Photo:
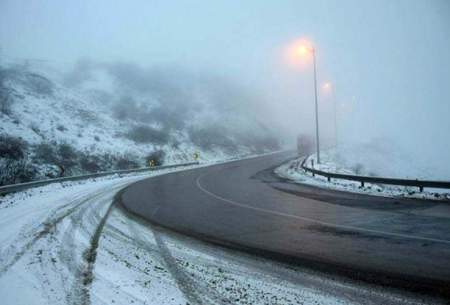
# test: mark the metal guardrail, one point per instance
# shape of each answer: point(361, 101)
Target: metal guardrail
point(6, 189)
point(421, 184)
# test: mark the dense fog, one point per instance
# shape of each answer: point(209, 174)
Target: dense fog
point(387, 63)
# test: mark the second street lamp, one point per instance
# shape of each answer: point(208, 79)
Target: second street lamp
point(328, 87)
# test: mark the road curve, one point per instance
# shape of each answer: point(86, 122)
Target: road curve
point(395, 242)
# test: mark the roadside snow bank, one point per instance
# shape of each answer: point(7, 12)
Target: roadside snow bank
point(293, 171)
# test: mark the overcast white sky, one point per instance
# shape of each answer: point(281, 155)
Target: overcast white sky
point(389, 60)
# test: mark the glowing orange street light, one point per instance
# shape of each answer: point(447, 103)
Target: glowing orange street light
point(304, 49)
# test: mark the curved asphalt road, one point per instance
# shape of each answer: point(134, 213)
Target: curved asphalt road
point(242, 204)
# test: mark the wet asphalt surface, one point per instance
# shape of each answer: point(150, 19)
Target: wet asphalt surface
point(398, 243)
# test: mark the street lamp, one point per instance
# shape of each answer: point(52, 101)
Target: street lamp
point(304, 50)
point(328, 87)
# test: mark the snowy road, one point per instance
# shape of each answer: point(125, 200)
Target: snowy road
point(68, 244)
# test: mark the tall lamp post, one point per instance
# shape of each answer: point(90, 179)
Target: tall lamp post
point(303, 49)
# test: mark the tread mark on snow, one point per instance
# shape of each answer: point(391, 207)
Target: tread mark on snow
point(180, 278)
point(187, 285)
point(89, 256)
point(48, 226)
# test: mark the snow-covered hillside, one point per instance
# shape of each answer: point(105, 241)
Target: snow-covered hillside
point(117, 116)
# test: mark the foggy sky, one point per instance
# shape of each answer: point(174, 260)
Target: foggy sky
point(388, 60)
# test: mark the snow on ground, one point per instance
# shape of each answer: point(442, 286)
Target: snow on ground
point(332, 162)
point(66, 244)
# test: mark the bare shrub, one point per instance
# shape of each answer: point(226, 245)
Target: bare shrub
point(15, 171)
point(14, 167)
point(124, 162)
point(90, 164)
point(61, 128)
point(68, 157)
point(46, 153)
point(12, 147)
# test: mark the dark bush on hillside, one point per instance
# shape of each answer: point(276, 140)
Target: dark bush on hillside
point(157, 157)
point(14, 167)
point(124, 162)
point(146, 134)
point(62, 155)
point(91, 164)
point(78, 162)
point(67, 156)
point(46, 153)
point(15, 171)
point(12, 148)
point(61, 128)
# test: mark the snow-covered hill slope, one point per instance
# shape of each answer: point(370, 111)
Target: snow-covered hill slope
point(118, 116)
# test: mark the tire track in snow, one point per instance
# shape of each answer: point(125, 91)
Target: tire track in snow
point(183, 283)
point(194, 292)
point(48, 227)
point(86, 218)
point(75, 209)
point(62, 248)
point(89, 256)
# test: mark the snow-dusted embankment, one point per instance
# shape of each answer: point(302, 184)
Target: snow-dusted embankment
point(332, 162)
